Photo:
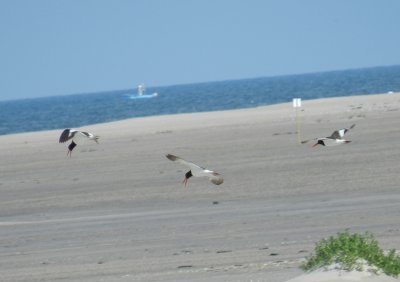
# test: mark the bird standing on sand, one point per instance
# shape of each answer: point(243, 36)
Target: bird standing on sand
point(336, 138)
point(77, 137)
point(197, 171)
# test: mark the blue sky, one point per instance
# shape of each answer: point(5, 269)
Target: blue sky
point(60, 47)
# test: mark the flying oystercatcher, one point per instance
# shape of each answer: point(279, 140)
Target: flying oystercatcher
point(197, 171)
point(77, 137)
point(336, 138)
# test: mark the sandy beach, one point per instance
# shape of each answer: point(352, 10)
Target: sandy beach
point(117, 211)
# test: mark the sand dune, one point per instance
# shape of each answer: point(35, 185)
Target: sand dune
point(117, 211)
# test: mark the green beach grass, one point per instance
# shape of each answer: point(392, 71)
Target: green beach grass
point(353, 252)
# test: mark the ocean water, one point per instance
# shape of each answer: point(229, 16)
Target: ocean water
point(73, 111)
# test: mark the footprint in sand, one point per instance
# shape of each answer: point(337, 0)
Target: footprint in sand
point(164, 132)
point(224, 251)
point(185, 266)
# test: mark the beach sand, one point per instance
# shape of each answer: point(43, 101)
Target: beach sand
point(117, 211)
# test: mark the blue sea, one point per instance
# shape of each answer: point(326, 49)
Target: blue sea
point(73, 111)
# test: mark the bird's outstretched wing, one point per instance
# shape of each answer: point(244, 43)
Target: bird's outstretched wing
point(66, 135)
point(191, 165)
point(89, 135)
point(339, 134)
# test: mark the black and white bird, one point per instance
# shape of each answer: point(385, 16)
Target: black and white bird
point(77, 137)
point(336, 138)
point(197, 171)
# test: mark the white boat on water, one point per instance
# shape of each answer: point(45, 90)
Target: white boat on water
point(141, 93)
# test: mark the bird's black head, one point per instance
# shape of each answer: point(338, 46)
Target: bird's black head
point(319, 142)
point(188, 174)
point(71, 146)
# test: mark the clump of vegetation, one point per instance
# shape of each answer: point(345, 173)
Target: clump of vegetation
point(353, 252)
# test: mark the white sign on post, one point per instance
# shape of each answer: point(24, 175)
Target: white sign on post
point(296, 102)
